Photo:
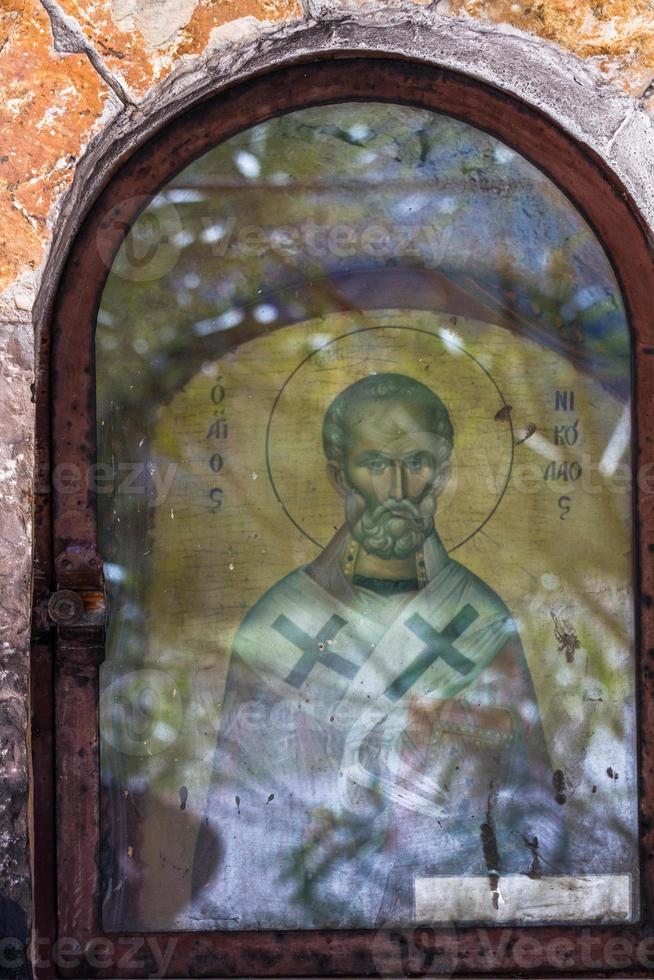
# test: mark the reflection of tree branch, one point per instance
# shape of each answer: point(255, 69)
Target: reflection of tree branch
point(308, 867)
point(583, 360)
point(343, 303)
point(494, 185)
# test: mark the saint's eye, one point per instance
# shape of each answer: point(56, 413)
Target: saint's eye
point(377, 465)
point(416, 462)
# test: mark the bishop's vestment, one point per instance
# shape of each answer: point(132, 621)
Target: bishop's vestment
point(368, 738)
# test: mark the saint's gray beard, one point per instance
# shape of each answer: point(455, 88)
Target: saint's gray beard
point(386, 535)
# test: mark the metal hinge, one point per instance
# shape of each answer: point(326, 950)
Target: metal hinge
point(82, 609)
point(80, 602)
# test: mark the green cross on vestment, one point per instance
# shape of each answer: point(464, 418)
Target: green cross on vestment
point(315, 649)
point(437, 646)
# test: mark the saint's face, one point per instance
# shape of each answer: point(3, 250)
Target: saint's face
point(390, 456)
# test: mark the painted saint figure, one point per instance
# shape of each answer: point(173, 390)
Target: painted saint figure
point(379, 722)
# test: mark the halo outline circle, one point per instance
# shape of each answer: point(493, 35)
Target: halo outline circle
point(352, 333)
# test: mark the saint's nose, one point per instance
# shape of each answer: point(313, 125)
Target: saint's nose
point(398, 478)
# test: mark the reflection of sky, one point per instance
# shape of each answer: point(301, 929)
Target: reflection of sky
point(445, 196)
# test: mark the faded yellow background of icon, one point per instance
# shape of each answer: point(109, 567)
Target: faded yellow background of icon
point(565, 574)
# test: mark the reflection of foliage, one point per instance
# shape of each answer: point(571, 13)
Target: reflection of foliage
point(447, 198)
point(331, 843)
point(503, 223)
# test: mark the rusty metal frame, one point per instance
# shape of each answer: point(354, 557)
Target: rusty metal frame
point(65, 661)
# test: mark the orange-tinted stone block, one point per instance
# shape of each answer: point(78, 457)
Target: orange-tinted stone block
point(50, 106)
point(617, 35)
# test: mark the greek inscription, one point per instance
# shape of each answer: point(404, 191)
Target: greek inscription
point(566, 435)
point(217, 394)
point(216, 497)
point(564, 506)
point(567, 472)
point(217, 430)
point(564, 401)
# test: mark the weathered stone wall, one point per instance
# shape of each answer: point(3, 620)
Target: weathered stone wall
point(82, 80)
point(68, 66)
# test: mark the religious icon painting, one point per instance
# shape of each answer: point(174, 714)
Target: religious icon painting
point(370, 658)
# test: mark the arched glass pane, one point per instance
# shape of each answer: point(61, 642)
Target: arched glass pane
point(363, 380)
